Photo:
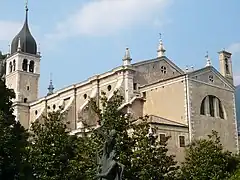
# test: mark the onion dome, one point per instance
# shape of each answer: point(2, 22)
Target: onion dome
point(24, 41)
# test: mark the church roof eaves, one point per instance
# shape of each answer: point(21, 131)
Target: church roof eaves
point(162, 80)
point(215, 71)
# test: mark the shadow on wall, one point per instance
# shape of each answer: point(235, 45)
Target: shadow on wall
point(237, 93)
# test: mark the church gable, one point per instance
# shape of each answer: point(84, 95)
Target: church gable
point(154, 70)
point(211, 76)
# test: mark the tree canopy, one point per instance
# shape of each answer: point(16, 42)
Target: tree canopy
point(13, 140)
point(141, 153)
point(206, 159)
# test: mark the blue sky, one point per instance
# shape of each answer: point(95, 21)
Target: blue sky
point(87, 37)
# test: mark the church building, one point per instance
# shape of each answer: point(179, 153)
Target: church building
point(184, 104)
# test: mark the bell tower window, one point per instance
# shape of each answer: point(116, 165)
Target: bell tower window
point(14, 65)
point(227, 66)
point(25, 65)
point(31, 66)
point(10, 67)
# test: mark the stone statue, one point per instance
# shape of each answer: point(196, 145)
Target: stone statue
point(109, 168)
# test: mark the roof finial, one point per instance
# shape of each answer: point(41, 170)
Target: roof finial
point(208, 60)
point(127, 57)
point(9, 50)
point(50, 87)
point(26, 5)
point(161, 50)
point(39, 50)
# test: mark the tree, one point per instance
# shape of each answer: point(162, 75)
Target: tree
point(236, 175)
point(129, 147)
point(110, 117)
point(206, 159)
point(149, 159)
point(53, 148)
point(13, 140)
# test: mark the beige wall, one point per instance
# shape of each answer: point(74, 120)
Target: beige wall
point(167, 101)
point(22, 114)
point(136, 109)
point(173, 143)
point(30, 80)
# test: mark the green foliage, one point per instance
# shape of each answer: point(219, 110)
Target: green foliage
point(149, 158)
point(13, 140)
point(236, 175)
point(206, 159)
point(53, 149)
point(142, 156)
point(6, 96)
point(110, 118)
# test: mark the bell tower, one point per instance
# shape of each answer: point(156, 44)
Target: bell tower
point(23, 71)
point(226, 65)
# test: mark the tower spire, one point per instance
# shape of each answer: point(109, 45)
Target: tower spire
point(50, 87)
point(26, 9)
point(161, 50)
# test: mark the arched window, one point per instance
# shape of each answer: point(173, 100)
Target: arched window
point(10, 67)
point(14, 65)
point(24, 65)
point(212, 106)
point(227, 66)
point(31, 66)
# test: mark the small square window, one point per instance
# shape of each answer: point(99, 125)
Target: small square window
point(162, 139)
point(182, 141)
point(134, 86)
point(28, 88)
point(25, 100)
point(144, 95)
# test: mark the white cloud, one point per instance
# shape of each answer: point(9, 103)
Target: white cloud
point(234, 48)
point(101, 17)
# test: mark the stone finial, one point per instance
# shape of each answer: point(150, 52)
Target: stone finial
point(208, 60)
point(186, 69)
point(192, 68)
point(9, 50)
point(50, 87)
point(127, 58)
point(161, 50)
point(19, 45)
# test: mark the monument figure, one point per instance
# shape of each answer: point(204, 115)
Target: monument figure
point(109, 168)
